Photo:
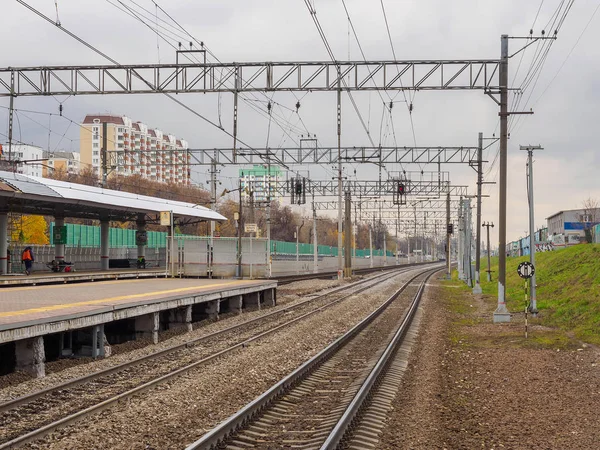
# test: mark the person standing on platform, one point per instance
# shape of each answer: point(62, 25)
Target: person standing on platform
point(27, 258)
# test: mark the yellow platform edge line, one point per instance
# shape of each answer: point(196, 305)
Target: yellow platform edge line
point(105, 300)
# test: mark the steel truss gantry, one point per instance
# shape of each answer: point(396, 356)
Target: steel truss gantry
point(329, 155)
point(405, 214)
point(366, 188)
point(266, 76)
point(374, 204)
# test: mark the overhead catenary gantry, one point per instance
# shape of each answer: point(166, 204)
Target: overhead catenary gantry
point(377, 204)
point(329, 155)
point(368, 188)
point(250, 77)
point(237, 78)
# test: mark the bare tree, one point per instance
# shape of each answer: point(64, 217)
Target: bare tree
point(591, 215)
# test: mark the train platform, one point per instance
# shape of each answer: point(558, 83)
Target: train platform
point(40, 278)
point(77, 318)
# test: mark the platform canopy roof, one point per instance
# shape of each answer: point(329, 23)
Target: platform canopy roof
point(33, 195)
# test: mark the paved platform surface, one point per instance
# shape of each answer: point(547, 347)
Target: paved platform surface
point(28, 305)
point(38, 278)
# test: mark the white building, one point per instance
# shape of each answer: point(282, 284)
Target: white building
point(257, 181)
point(27, 158)
point(134, 148)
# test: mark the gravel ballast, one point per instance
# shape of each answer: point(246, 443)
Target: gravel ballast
point(180, 411)
point(475, 384)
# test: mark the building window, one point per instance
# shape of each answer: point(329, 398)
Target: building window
point(96, 145)
point(94, 153)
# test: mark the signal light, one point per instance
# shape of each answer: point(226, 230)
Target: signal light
point(400, 189)
point(298, 187)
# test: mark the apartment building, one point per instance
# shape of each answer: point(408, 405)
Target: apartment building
point(28, 159)
point(65, 162)
point(257, 180)
point(134, 148)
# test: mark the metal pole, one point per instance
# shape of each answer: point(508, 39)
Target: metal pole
point(340, 200)
point(297, 254)
point(448, 272)
point(348, 239)
point(477, 288)
point(213, 206)
point(240, 224)
point(469, 241)
point(371, 246)
point(315, 243)
point(501, 314)
point(235, 113)
point(532, 295)
point(269, 262)
point(104, 153)
point(10, 119)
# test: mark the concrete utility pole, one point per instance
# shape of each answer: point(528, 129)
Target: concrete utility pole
point(460, 260)
point(489, 251)
point(477, 288)
point(104, 154)
point(501, 314)
point(448, 273)
point(348, 238)
point(532, 294)
point(340, 203)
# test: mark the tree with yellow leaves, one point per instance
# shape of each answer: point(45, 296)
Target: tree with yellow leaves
point(29, 229)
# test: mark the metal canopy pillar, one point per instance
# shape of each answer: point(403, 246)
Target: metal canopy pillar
point(3, 242)
point(104, 243)
point(141, 230)
point(59, 249)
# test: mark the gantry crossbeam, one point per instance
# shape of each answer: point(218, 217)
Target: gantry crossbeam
point(329, 155)
point(250, 77)
point(388, 204)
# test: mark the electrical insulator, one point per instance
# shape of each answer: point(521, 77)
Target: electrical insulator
point(60, 108)
point(298, 106)
point(450, 228)
point(269, 107)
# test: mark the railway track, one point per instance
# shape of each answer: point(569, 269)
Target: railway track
point(319, 404)
point(286, 279)
point(31, 417)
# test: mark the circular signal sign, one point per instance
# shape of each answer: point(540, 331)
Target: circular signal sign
point(526, 270)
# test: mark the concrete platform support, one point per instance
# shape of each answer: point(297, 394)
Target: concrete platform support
point(212, 309)
point(235, 304)
point(147, 326)
point(31, 357)
point(252, 300)
point(59, 249)
point(104, 244)
point(3, 242)
point(180, 317)
point(269, 297)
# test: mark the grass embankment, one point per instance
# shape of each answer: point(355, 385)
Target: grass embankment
point(568, 289)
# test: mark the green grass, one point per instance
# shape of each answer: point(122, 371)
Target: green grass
point(568, 289)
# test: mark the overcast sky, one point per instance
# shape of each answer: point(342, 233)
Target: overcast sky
point(566, 102)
